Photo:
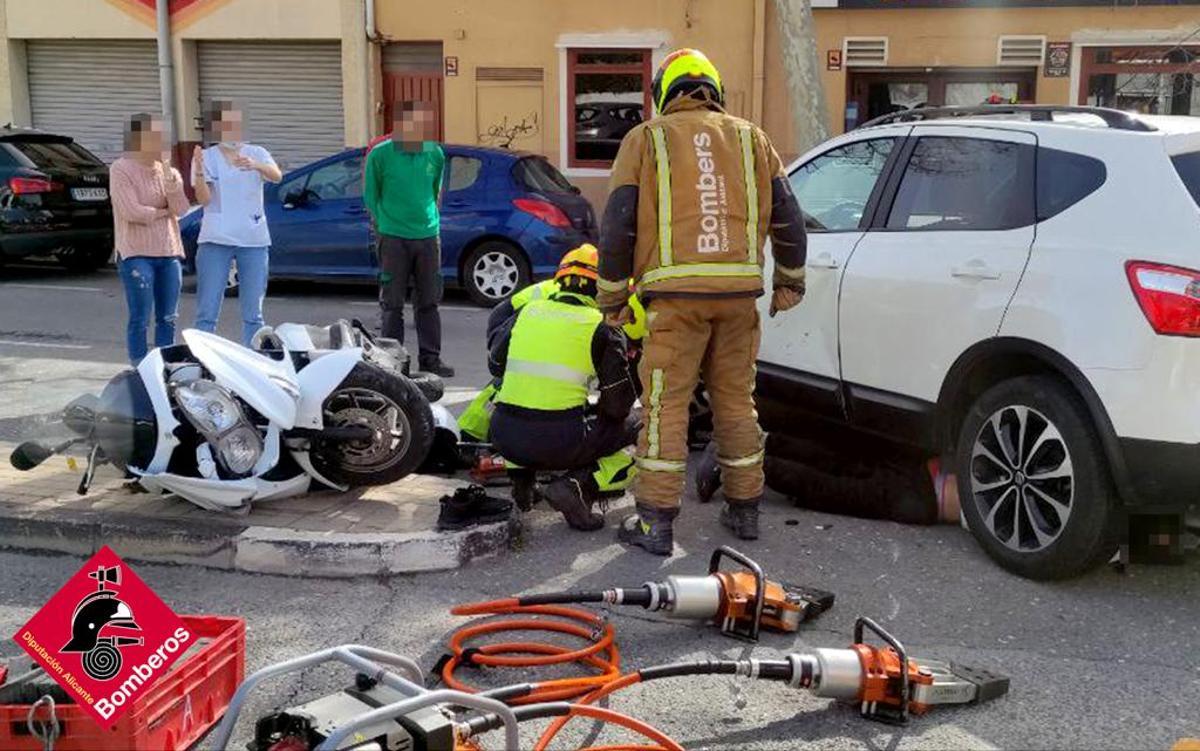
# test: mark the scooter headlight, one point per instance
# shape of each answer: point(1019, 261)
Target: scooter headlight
point(209, 407)
point(220, 419)
point(240, 449)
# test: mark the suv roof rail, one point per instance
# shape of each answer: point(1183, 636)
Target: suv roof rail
point(1115, 119)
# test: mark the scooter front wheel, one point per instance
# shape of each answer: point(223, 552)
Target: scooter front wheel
point(399, 417)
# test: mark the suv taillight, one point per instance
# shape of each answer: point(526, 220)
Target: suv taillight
point(543, 210)
point(27, 185)
point(1169, 296)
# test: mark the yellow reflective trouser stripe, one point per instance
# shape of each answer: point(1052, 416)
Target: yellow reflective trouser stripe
point(751, 193)
point(663, 165)
point(656, 387)
point(796, 273)
point(661, 465)
point(742, 461)
point(550, 370)
point(605, 285)
point(701, 269)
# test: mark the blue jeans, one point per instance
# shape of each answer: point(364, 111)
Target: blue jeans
point(212, 276)
point(151, 283)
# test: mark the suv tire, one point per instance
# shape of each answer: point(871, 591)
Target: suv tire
point(1050, 513)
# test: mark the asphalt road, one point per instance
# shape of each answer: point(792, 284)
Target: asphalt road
point(1106, 661)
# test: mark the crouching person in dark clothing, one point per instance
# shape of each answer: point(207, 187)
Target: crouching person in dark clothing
point(556, 348)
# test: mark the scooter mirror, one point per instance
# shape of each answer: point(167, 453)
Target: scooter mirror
point(29, 455)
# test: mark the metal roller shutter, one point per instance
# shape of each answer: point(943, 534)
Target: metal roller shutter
point(88, 89)
point(290, 93)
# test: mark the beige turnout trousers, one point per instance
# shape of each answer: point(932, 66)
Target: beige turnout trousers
point(716, 339)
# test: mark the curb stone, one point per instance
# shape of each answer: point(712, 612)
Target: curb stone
point(232, 545)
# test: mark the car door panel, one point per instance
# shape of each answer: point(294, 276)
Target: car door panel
point(938, 271)
point(323, 228)
point(836, 190)
point(464, 207)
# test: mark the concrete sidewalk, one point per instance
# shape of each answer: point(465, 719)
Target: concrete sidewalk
point(367, 532)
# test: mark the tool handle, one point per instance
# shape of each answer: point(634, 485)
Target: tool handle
point(863, 622)
point(760, 583)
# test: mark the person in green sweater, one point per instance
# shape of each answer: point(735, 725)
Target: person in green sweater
point(403, 185)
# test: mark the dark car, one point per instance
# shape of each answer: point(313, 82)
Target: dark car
point(53, 200)
point(600, 126)
point(507, 218)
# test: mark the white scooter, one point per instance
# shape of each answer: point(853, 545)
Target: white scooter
point(223, 425)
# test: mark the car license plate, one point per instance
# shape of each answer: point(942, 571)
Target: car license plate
point(89, 194)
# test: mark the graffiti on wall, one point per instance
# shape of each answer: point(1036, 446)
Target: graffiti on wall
point(506, 132)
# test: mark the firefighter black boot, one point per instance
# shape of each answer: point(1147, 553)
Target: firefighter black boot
point(524, 488)
point(741, 517)
point(649, 528)
point(572, 496)
point(708, 474)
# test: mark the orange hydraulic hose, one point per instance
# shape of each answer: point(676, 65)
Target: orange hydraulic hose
point(625, 721)
point(601, 655)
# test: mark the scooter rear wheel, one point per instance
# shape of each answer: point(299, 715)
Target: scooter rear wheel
point(400, 416)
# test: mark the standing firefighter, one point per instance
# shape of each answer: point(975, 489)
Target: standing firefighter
point(694, 194)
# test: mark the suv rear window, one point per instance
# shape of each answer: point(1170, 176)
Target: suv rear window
point(1188, 167)
point(55, 154)
point(541, 176)
point(1064, 179)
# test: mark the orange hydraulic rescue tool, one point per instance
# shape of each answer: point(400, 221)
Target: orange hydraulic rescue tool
point(885, 682)
point(739, 602)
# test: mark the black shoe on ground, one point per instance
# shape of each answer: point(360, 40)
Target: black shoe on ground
point(741, 518)
point(650, 528)
point(469, 506)
point(572, 498)
point(708, 474)
point(437, 367)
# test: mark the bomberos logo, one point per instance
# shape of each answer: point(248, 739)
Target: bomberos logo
point(105, 637)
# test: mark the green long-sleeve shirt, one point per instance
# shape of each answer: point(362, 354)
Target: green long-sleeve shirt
point(402, 187)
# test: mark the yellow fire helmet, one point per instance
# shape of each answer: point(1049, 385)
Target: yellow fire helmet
point(636, 329)
point(680, 68)
point(584, 261)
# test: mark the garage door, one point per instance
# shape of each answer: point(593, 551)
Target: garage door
point(88, 89)
point(290, 92)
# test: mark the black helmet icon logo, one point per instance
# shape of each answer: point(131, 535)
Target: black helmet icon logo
point(94, 614)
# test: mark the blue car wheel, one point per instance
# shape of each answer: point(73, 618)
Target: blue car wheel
point(493, 271)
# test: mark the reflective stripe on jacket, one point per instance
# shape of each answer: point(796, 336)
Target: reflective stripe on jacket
point(549, 362)
point(704, 200)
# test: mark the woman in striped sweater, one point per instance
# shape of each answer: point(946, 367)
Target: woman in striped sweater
point(148, 199)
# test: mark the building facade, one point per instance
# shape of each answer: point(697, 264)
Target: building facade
point(567, 78)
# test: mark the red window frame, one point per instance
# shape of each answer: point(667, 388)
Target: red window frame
point(574, 67)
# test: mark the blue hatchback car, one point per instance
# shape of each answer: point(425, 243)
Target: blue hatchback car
point(507, 219)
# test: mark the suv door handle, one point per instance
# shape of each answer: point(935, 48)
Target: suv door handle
point(824, 261)
point(974, 270)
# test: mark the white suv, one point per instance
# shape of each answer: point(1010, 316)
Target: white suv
point(1016, 290)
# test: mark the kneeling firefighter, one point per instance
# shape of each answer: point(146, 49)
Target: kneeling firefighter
point(475, 421)
point(694, 194)
point(542, 420)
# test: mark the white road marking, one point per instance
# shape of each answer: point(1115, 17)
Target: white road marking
point(60, 287)
point(44, 345)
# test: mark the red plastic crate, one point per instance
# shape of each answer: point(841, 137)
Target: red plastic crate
point(171, 715)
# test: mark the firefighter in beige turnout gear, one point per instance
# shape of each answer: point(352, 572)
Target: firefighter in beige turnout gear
point(694, 194)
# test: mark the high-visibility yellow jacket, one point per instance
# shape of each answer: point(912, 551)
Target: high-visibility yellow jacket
point(706, 186)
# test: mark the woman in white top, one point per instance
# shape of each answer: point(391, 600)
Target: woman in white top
point(228, 179)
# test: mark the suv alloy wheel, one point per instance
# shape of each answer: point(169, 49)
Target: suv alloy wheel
point(1034, 481)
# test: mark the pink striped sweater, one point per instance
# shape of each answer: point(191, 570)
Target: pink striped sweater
point(147, 205)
